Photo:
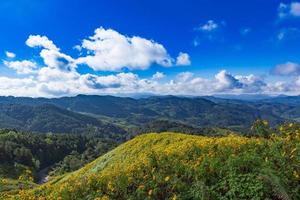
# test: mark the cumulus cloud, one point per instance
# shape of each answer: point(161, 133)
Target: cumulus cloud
point(225, 81)
point(183, 59)
point(57, 83)
point(289, 10)
point(58, 74)
point(18, 87)
point(286, 69)
point(50, 54)
point(41, 41)
point(108, 50)
point(22, 67)
point(10, 54)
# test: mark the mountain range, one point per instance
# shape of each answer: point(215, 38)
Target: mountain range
point(110, 114)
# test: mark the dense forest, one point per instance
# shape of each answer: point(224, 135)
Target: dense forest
point(61, 153)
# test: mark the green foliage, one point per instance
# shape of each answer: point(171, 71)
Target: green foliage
point(261, 128)
point(159, 126)
point(20, 151)
point(177, 166)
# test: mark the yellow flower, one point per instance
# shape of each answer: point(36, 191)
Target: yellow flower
point(295, 174)
point(266, 123)
point(266, 159)
point(150, 192)
point(293, 150)
point(167, 178)
point(141, 187)
point(174, 197)
point(110, 186)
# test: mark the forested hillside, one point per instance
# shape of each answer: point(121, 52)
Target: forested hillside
point(23, 155)
point(178, 166)
point(49, 118)
point(134, 113)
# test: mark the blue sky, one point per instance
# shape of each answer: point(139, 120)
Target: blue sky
point(258, 38)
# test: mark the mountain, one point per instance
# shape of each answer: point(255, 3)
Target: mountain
point(291, 100)
point(193, 111)
point(247, 97)
point(178, 166)
point(50, 118)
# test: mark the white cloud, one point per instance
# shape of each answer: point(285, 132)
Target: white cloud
point(183, 59)
point(252, 83)
point(289, 10)
point(282, 87)
point(50, 54)
point(286, 69)
point(298, 81)
point(158, 76)
point(18, 87)
point(210, 31)
point(295, 9)
point(225, 81)
point(184, 76)
point(209, 26)
point(10, 54)
point(51, 82)
point(108, 50)
point(283, 10)
point(58, 75)
point(22, 67)
point(41, 41)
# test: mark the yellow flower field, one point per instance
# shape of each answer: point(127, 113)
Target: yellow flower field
point(179, 166)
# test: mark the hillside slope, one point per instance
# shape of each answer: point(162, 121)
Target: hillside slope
point(177, 166)
point(49, 118)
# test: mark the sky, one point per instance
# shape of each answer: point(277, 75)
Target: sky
point(55, 48)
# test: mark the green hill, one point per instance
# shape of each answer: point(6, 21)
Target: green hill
point(49, 118)
point(178, 166)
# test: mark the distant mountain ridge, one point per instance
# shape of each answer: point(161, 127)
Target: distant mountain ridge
point(129, 112)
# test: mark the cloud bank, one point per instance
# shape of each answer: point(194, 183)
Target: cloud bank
point(110, 51)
